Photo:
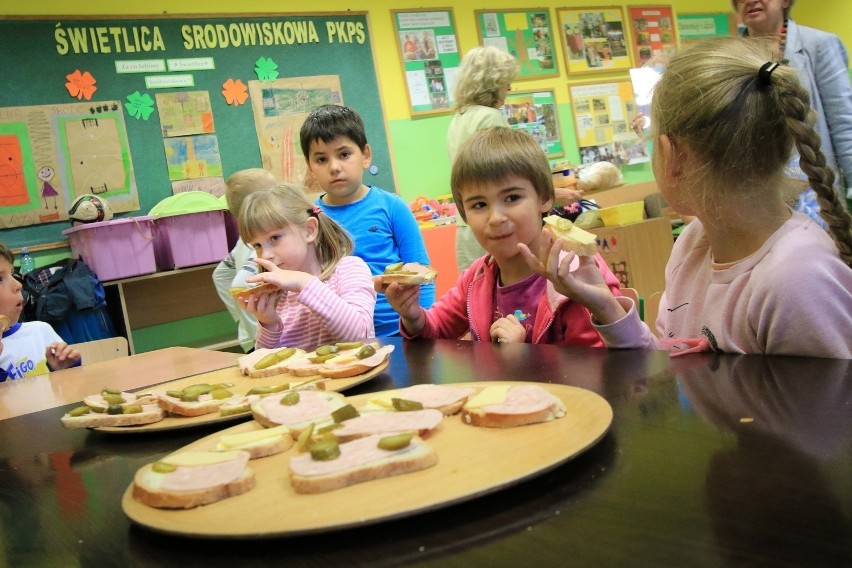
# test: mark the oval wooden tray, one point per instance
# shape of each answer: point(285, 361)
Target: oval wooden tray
point(242, 384)
point(472, 462)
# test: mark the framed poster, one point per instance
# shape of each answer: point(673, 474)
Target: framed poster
point(526, 34)
point(653, 31)
point(429, 50)
point(593, 39)
point(602, 115)
point(693, 27)
point(535, 113)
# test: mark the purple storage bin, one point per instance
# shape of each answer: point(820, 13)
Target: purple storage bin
point(190, 239)
point(120, 248)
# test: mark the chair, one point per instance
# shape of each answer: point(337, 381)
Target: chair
point(102, 349)
point(652, 308)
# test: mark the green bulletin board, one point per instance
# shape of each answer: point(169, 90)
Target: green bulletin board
point(699, 26)
point(133, 60)
point(429, 51)
point(535, 112)
point(526, 34)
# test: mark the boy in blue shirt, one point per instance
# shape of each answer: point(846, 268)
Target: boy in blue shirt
point(384, 229)
point(31, 348)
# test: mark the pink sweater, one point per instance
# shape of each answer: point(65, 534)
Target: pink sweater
point(337, 309)
point(469, 306)
point(793, 296)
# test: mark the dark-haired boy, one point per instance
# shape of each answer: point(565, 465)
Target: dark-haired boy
point(334, 142)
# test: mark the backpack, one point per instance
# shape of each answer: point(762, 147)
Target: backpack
point(69, 297)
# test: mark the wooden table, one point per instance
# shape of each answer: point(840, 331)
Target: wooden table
point(710, 461)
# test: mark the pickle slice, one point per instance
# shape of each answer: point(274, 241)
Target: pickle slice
point(326, 350)
point(108, 390)
point(79, 411)
point(111, 398)
point(329, 428)
point(366, 351)
point(290, 398)
point(349, 344)
point(395, 267)
point(322, 358)
point(115, 409)
point(404, 405)
point(132, 409)
point(344, 413)
point(395, 442)
point(268, 390)
point(174, 393)
point(275, 358)
point(325, 450)
point(163, 467)
point(304, 438)
point(564, 225)
point(221, 394)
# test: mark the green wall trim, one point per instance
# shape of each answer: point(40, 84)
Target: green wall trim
point(191, 332)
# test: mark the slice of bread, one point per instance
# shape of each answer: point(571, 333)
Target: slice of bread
point(504, 406)
point(574, 239)
point(313, 407)
point(359, 461)
point(150, 413)
point(205, 404)
point(410, 273)
point(248, 363)
point(197, 478)
point(258, 443)
point(244, 292)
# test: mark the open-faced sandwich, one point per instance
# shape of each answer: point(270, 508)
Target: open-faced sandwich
point(421, 421)
point(267, 362)
point(574, 238)
point(448, 399)
point(341, 360)
point(112, 407)
point(298, 409)
point(189, 479)
point(409, 273)
point(330, 465)
point(243, 292)
point(242, 404)
point(197, 399)
point(258, 443)
point(505, 406)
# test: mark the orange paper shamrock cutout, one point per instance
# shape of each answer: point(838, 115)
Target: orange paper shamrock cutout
point(81, 84)
point(235, 92)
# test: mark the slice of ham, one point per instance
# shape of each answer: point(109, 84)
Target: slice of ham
point(435, 396)
point(390, 423)
point(193, 478)
point(523, 400)
point(312, 405)
point(352, 454)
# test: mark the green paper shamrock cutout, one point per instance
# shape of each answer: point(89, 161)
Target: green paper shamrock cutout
point(266, 69)
point(139, 105)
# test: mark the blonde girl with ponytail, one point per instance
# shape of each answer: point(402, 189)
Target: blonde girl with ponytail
point(322, 294)
point(749, 275)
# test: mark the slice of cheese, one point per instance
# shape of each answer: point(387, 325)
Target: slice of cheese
point(489, 395)
point(199, 458)
point(250, 438)
point(565, 229)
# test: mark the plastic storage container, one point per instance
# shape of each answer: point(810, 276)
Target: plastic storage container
point(623, 214)
point(232, 229)
point(115, 249)
point(190, 230)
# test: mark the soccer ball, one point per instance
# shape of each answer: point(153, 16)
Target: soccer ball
point(89, 208)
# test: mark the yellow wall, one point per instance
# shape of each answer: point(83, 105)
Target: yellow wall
point(416, 145)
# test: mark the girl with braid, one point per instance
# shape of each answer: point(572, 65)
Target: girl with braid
point(749, 275)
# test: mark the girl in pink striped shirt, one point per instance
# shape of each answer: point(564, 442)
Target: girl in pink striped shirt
point(324, 294)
